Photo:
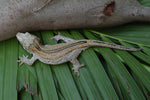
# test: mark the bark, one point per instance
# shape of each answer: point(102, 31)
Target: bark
point(32, 15)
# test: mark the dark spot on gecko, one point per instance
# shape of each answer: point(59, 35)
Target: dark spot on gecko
point(109, 9)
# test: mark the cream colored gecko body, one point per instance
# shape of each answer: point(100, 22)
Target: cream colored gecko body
point(60, 53)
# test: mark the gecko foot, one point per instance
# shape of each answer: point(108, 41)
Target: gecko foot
point(61, 37)
point(76, 69)
point(57, 37)
point(23, 59)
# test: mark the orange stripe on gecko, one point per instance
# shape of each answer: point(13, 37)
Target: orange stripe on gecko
point(52, 46)
point(57, 56)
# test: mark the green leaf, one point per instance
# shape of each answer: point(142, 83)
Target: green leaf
point(128, 86)
point(108, 74)
point(8, 69)
point(26, 77)
point(132, 32)
point(25, 96)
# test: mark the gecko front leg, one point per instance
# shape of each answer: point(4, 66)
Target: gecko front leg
point(60, 37)
point(25, 59)
point(76, 66)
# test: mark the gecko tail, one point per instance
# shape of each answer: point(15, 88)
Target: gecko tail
point(111, 45)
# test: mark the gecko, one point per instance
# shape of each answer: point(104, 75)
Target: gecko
point(60, 53)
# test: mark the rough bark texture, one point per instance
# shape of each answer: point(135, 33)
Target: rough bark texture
point(21, 15)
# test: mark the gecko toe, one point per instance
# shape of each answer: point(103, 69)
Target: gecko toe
point(54, 38)
point(77, 73)
point(23, 56)
point(76, 69)
point(82, 65)
point(57, 37)
point(20, 63)
point(18, 60)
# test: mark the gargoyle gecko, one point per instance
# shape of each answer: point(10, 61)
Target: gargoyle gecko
point(60, 53)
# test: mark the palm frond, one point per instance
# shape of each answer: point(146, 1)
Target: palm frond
point(108, 74)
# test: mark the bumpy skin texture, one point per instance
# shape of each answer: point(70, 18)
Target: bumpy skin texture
point(32, 15)
point(60, 53)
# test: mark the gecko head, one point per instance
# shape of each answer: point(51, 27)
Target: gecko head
point(27, 40)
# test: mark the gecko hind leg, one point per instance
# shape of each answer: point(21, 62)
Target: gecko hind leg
point(76, 66)
point(61, 37)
